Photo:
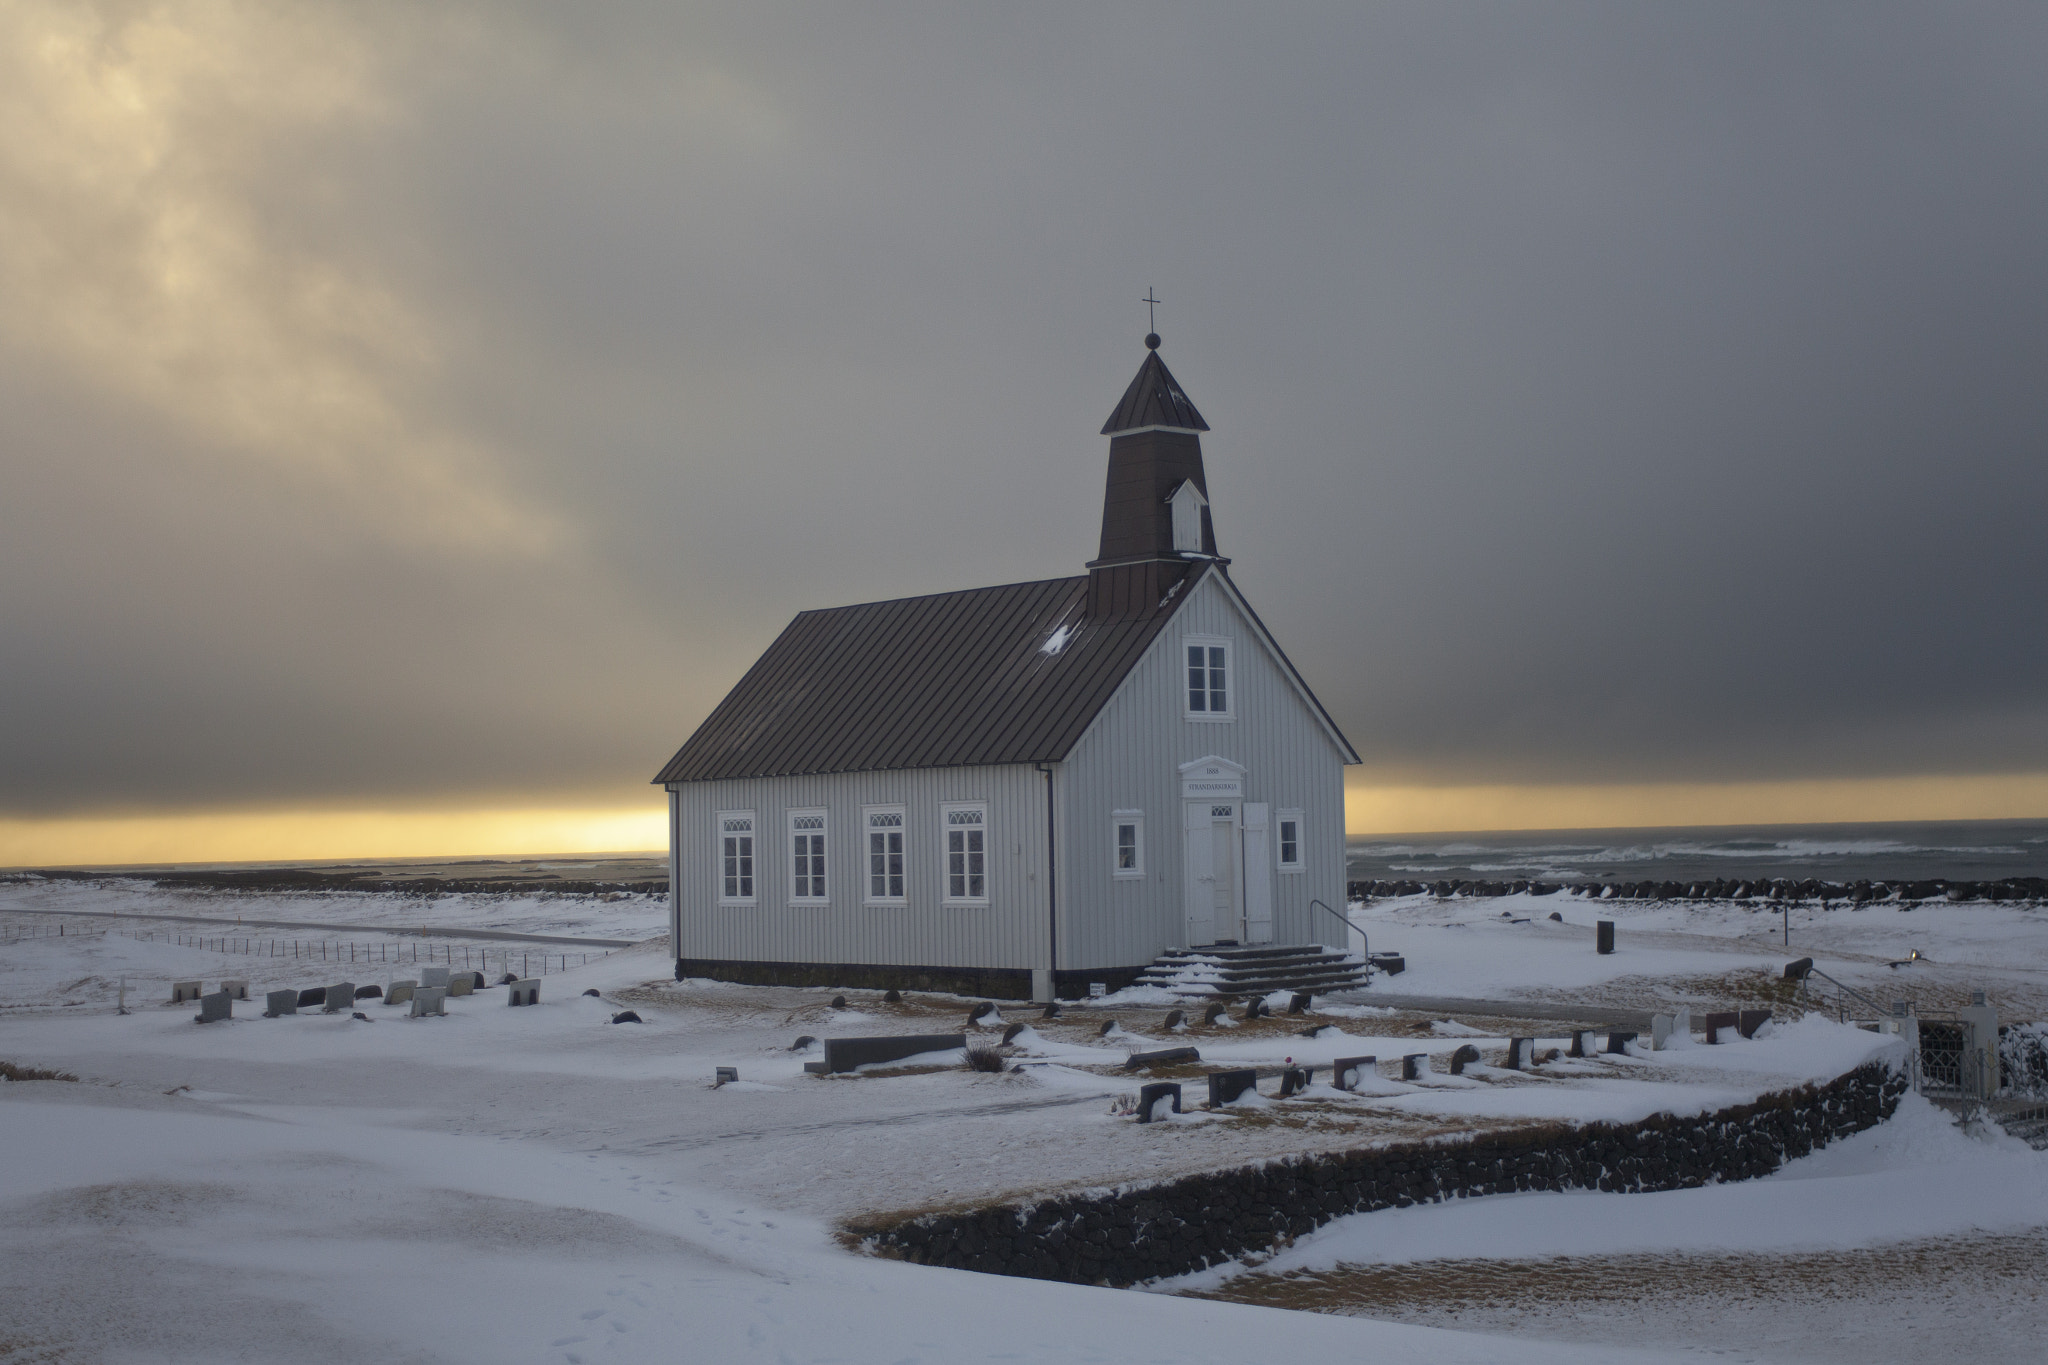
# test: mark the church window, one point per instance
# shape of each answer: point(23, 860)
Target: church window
point(736, 856)
point(966, 836)
point(807, 847)
point(885, 854)
point(1208, 680)
point(1289, 840)
point(1128, 829)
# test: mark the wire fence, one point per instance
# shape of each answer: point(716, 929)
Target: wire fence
point(388, 951)
point(15, 932)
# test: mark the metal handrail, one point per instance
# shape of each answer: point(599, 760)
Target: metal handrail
point(1345, 921)
point(1881, 1011)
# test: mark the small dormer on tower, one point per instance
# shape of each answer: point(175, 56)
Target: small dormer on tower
point(1156, 523)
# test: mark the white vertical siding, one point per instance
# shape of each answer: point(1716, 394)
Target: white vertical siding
point(1130, 760)
point(1011, 931)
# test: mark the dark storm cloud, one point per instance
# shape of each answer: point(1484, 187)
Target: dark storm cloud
point(1600, 393)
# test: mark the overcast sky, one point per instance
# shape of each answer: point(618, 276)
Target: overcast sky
point(449, 405)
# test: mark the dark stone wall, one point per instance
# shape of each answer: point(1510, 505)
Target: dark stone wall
point(1128, 1235)
point(1902, 894)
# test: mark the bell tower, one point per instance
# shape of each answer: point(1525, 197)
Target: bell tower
point(1155, 509)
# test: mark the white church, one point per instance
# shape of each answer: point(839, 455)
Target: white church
point(1020, 791)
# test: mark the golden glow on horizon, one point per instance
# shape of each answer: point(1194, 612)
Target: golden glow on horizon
point(326, 836)
point(1370, 809)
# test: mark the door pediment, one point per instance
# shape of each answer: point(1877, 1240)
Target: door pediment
point(1211, 777)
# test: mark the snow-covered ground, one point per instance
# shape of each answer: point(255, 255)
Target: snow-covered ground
point(542, 1184)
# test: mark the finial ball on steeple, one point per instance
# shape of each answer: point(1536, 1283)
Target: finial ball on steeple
point(1151, 341)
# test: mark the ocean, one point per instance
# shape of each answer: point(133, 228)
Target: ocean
point(1956, 849)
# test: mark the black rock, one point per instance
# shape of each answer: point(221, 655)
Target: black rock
point(626, 1017)
point(591, 991)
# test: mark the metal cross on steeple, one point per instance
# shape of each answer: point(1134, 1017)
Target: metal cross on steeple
point(1151, 322)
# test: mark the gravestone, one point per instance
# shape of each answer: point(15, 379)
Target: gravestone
point(1313, 1029)
point(433, 976)
point(1254, 1008)
point(369, 992)
point(981, 1012)
point(1466, 1053)
point(220, 1005)
point(1294, 1080)
point(626, 1017)
point(845, 1054)
point(803, 1041)
point(892, 996)
point(1413, 1065)
point(1747, 1022)
point(1796, 971)
point(1165, 1056)
point(182, 991)
point(1215, 1012)
point(525, 991)
point(1720, 1023)
point(1175, 1019)
point(838, 1002)
point(1227, 1087)
point(725, 1075)
point(1152, 1097)
point(340, 999)
point(280, 1002)
point(461, 984)
point(1518, 1053)
point(1393, 964)
point(1010, 1033)
point(593, 992)
point(1604, 932)
point(1578, 1047)
point(429, 1000)
point(1052, 1010)
point(1109, 1026)
point(476, 980)
point(1619, 1039)
point(1660, 1032)
point(1299, 1002)
point(1347, 1072)
point(400, 992)
point(237, 990)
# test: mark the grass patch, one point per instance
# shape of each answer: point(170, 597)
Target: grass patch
point(12, 1072)
point(981, 1058)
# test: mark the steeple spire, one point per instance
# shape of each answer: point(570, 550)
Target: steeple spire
point(1155, 509)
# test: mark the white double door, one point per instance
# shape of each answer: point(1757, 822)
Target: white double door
point(1227, 881)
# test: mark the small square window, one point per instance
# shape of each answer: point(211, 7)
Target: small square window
point(1127, 844)
point(965, 836)
point(1287, 825)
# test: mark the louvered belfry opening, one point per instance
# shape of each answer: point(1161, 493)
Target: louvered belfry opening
point(1155, 446)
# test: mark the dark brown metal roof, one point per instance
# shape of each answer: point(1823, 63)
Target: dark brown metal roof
point(1154, 399)
point(950, 680)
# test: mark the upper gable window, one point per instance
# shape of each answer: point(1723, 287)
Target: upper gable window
point(1207, 679)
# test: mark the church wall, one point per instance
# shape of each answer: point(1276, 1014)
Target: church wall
point(1129, 759)
point(1011, 932)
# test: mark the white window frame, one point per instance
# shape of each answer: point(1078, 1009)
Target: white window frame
point(946, 830)
point(823, 832)
point(1117, 820)
point(753, 855)
point(1281, 820)
point(1182, 680)
point(868, 831)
